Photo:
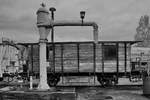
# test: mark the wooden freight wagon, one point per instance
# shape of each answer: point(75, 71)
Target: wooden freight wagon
point(107, 60)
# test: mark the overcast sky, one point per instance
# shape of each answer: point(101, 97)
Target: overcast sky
point(117, 19)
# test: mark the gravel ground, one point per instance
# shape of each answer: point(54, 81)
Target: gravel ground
point(97, 93)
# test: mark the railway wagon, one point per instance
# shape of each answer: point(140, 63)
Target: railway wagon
point(107, 60)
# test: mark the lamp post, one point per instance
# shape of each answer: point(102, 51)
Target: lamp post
point(82, 15)
point(52, 10)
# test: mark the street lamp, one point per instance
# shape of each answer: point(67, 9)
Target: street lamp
point(52, 10)
point(82, 15)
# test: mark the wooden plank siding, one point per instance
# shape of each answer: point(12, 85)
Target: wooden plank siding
point(79, 57)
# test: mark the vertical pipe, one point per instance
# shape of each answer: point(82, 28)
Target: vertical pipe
point(52, 38)
point(62, 66)
point(53, 56)
point(102, 57)
point(52, 18)
point(78, 57)
point(52, 34)
point(1, 59)
point(117, 62)
point(47, 52)
point(125, 58)
point(31, 82)
point(95, 33)
point(94, 59)
point(43, 67)
point(76, 23)
point(32, 58)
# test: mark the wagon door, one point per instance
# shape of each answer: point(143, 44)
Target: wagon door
point(110, 57)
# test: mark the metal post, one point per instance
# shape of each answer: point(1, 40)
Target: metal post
point(125, 57)
point(31, 82)
point(52, 9)
point(43, 67)
point(62, 65)
point(32, 58)
point(78, 57)
point(102, 57)
point(94, 60)
point(117, 61)
point(141, 58)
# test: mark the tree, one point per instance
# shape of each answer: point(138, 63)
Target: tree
point(143, 32)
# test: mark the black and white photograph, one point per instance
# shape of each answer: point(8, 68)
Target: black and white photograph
point(74, 49)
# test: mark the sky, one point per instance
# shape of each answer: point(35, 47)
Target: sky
point(117, 19)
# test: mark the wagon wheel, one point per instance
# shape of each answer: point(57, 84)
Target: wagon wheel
point(52, 82)
point(105, 81)
point(102, 81)
point(53, 79)
point(1, 79)
point(8, 79)
point(115, 80)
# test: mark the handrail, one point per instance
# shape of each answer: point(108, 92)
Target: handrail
point(72, 23)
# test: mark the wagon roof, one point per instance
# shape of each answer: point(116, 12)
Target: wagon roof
point(74, 42)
